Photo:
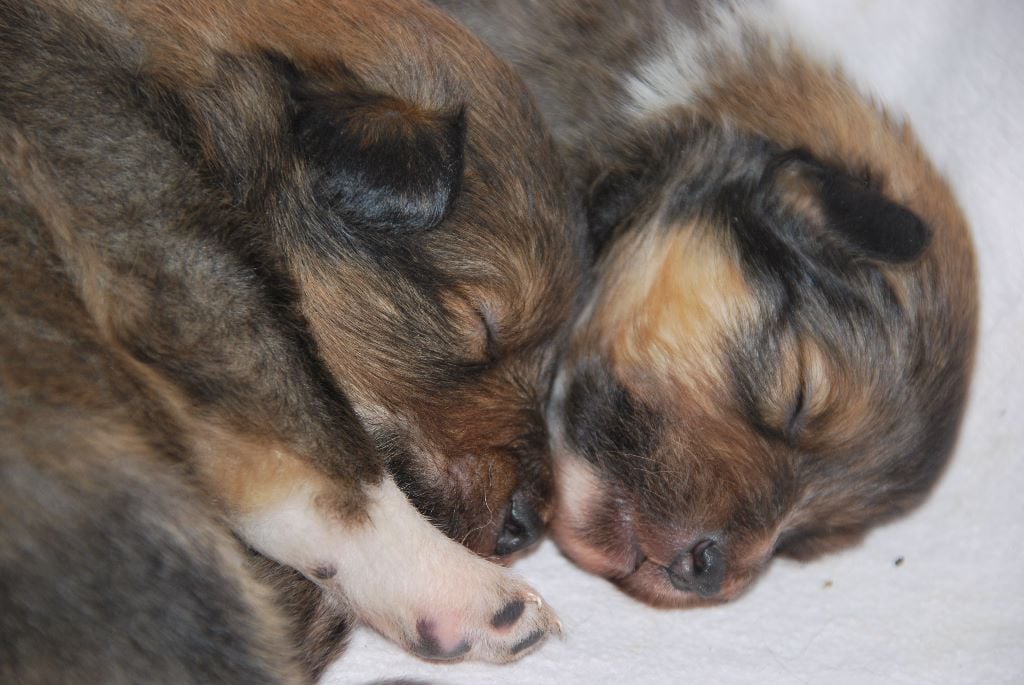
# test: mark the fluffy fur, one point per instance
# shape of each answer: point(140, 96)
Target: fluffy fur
point(776, 355)
point(250, 267)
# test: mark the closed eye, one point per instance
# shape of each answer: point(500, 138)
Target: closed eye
point(548, 377)
point(491, 349)
point(798, 414)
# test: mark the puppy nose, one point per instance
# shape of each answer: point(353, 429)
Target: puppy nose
point(700, 569)
point(523, 527)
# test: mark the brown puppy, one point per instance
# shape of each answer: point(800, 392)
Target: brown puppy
point(778, 349)
point(231, 237)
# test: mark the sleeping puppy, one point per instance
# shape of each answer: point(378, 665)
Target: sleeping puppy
point(231, 238)
point(777, 352)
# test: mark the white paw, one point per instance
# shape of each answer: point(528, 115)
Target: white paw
point(499, 622)
point(406, 579)
point(436, 598)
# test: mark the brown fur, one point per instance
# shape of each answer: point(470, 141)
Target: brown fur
point(777, 353)
point(198, 320)
point(482, 431)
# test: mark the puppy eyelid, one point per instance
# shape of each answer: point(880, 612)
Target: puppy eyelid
point(490, 331)
point(549, 375)
point(797, 417)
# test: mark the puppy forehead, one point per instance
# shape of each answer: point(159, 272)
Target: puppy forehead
point(680, 310)
point(671, 295)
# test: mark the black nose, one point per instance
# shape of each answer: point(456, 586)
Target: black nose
point(522, 527)
point(700, 569)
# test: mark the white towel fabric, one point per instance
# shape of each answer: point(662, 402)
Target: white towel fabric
point(953, 610)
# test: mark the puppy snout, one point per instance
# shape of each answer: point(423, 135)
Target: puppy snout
point(700, 569)
point(522, 527)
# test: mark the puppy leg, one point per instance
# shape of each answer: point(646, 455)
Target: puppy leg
point(401, 575)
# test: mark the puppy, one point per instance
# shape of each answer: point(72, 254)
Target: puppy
point(255, 260)
point(777, 351)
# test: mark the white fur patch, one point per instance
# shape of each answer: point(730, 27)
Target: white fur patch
point(688, 55)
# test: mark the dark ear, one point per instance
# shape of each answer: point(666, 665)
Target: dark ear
point(610, 200)
point(859, 215)
point(380, 163)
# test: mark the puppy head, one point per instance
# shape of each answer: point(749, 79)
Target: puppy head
point(420, 216)
point(437, 274)
point(774, 360)
point(461, 270)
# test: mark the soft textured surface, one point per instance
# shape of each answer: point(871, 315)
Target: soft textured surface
point(953, 610)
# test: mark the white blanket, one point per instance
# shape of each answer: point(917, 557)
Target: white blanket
point(952, 611)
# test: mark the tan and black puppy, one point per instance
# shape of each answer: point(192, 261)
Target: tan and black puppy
point(231, 237)
point(777, 352)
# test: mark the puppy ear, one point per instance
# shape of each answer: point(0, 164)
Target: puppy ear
point(380, 163)
point(611, 198)
point(856, 214)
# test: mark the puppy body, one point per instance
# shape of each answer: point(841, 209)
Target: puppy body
point(234, 237)
point(777, 353)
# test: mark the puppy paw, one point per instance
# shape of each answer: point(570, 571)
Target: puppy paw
point(433, 596)
point(402, 576)
point(505, 622)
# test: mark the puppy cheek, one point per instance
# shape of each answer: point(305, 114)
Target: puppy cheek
point(576, 485)
point(578, 492)
point(577, 489)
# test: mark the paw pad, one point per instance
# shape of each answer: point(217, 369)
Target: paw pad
point(429, 646)
point(509, 614)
